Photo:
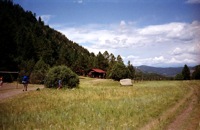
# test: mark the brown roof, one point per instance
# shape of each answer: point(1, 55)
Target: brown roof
point(98, 70)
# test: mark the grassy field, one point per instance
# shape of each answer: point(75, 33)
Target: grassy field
point(96, 104)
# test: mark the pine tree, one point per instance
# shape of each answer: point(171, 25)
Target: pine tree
point(131, 69)
point(119, 71)
point(101, 61)
point(119, 59)
point(39, 72)
point(186, 73)
point(196, 73)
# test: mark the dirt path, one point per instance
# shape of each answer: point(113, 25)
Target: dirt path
point(189, 118)
point(11, 89)
point(181, 121)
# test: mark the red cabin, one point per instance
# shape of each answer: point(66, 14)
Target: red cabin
point(97, 73)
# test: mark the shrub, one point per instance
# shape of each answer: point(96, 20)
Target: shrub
point(68, 77)
point(179, 77)
point(119, 71)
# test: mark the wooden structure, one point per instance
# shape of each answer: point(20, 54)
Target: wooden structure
point(97, 73)
point(9, 77)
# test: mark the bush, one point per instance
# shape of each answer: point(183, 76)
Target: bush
point(68, 77)
point(119, 71)
point(179, 77)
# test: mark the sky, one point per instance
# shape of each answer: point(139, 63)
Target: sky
point(159, 33)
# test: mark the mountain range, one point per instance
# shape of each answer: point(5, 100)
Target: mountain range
point(169, 71)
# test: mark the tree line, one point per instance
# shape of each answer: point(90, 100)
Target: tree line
point(188, 74)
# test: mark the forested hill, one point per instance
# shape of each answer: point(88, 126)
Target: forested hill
point(168, 71)
point(171, 71)
point(26, 40)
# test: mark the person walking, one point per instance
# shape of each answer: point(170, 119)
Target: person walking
point(25, 82)
point(59, 84)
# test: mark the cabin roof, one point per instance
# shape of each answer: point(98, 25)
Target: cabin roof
point(98, 70)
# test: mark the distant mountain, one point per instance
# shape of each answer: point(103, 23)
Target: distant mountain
point(170, 71)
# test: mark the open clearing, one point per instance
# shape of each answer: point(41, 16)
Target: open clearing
point(103, 104)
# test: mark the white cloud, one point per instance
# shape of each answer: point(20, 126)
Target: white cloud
point(152, 61)
point(46, 18)
point(193, 1)
point(122, 23)
point(177, 51)
point(163, 61)
point(132, 57)
point(78, 1)
point(166, 44)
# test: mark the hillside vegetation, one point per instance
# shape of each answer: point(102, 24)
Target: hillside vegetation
point(31, 47)
point(25, 40)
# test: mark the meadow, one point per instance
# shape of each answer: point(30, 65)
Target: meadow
point(96, 104)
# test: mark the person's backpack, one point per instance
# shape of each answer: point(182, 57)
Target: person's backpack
point(25, 79)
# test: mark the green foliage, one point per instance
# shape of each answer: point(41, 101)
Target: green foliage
point(119, 59)
point(26, 67)
point(186, 73)
point(132, 70)
point(196, 73)
point(119, 71)
point(39, 72)
point(24, 38)
point(102, 61)
point(179, 77)
point(111, 62)
point(68, 77)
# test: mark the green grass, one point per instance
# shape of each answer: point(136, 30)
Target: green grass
point(96, 104)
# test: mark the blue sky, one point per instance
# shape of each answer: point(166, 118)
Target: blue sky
point(158, 33)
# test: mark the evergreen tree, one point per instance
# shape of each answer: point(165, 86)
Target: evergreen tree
point(131, 69)
point(102, 62)
point(119, 71)
point(196, 73)
point(106, 55)
point(39, 72)
point(186, 73)
point(119, 59)
point(111, 62)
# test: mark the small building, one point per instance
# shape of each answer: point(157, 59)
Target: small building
point(97, 73)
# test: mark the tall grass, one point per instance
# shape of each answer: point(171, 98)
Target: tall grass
point(96, 104)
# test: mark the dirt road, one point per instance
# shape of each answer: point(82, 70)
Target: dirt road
point(188, 117)
point(11, 89)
